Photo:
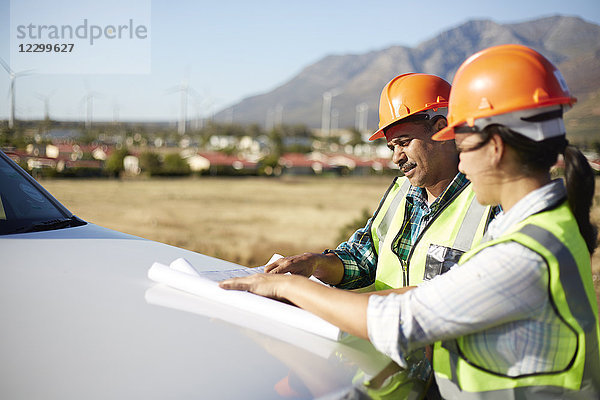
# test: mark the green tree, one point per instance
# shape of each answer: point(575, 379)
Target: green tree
point(150, 163)
point(5, 135)
point(276, 141)
point(114, 163)
point(14, 137)
point(268, 164)
point(254, 130)
point(175, 165)
point(299, 130)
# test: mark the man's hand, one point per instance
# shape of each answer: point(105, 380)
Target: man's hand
point(301, 264)
point(327, 267)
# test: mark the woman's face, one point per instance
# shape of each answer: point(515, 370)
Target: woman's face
point(476, 162)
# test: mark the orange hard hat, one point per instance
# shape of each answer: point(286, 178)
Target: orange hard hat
point(409, 94)
point(503, 79)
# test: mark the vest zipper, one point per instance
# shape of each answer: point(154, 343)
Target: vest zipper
point(405, 280)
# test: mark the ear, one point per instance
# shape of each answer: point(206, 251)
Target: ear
point(440, 124)
point(496, 150)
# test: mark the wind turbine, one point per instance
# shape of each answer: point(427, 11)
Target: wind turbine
point(335, 119)
point(46, 100)
point(362, 114)
point(12, 92)
point(269, 122)
point(229, 115)
point(89, 101)
point(278, 115)
point(200, 102)
point(209, 103)
point(116, 111)
point(274, 117)
point(326, 114)
point(184, 89)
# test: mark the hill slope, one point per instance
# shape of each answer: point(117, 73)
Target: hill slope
point(570, 42)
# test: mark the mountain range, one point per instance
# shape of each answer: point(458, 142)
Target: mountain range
point(572, 43)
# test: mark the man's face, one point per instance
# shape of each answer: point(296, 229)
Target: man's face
point(423, 161)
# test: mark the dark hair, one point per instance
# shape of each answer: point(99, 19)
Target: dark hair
point(580, 192)
point(539, 156)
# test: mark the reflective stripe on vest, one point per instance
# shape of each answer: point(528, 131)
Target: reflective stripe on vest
point(384, 224)
point(455, 228)
point(572, 293)
point(469, 225)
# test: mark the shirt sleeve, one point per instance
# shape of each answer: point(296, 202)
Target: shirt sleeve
point(502, 283)
point(359, 259)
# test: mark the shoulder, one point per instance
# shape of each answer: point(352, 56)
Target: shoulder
point(506, 259)
point(507, 250)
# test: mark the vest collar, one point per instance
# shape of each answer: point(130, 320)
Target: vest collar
point(536, 201)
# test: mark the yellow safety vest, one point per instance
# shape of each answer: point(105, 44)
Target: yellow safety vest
point(453, 230)
point(575, 367)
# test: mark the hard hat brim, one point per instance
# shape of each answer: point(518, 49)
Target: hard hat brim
point(431, 106)
point(444, 134)
point(377, 135)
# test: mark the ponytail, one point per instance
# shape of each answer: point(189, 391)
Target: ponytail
point(580, 182)
point(540, 156)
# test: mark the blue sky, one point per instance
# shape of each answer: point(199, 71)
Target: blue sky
point(233, 49)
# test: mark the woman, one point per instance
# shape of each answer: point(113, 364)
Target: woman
point(518, 317)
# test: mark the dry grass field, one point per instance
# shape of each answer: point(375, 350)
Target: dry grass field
point(244, 220)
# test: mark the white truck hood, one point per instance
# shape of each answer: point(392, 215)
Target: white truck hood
point(77, 324)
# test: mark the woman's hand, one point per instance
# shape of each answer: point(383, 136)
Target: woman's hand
point(267, 285)
point(344, 309)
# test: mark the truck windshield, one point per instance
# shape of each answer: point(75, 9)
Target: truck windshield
point(26, 208)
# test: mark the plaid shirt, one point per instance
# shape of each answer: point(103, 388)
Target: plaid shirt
point(359, 255)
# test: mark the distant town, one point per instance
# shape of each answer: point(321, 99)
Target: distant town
point(49, 149)
point(71, 149)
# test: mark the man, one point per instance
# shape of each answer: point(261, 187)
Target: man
point(426, 219)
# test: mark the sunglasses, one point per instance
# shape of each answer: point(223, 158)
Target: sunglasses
point(467, 129)
point(472, 129)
